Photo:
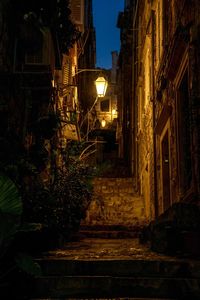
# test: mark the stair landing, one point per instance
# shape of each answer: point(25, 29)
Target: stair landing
point(87, 248)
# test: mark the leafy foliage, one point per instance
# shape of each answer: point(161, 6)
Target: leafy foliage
point(63, 204)
point(10, 201)
point(27, 264)
point(72, 190)
point(10, 212)
point(10, 225)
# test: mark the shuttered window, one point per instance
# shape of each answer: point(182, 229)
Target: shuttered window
point(77, 8)
point(67, 71)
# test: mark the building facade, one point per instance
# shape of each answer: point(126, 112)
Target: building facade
point(86, 62)
point(124, 81)
point(39, 103)
point(165, 102)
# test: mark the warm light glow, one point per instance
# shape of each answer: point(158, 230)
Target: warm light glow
point(114, 111)
point(53, 83)
point(103, 123)
point(101, 86)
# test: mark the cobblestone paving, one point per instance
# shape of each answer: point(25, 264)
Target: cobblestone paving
point(94, 248)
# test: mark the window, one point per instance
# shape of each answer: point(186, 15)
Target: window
point(66, 71)
point(77, 8)
point(42, 56)
point(105, 105)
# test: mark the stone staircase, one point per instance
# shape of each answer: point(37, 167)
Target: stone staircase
point(115, 204)
point(108, 262)
point(143, 276)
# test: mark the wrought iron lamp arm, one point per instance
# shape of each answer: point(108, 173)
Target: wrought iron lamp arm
point(87, 70)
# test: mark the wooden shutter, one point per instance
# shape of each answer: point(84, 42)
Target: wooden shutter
point(67, 71)
point(77, 8)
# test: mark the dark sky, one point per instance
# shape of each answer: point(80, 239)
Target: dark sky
point(107, 34)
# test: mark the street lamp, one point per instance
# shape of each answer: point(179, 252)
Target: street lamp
point(101, 86)
point(101, 83)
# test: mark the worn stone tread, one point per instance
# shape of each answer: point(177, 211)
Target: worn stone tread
point(105, 286)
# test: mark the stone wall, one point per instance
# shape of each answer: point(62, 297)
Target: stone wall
point(115, 203)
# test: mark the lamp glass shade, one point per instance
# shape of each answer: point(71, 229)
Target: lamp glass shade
point(103, 123)
point(101, 86)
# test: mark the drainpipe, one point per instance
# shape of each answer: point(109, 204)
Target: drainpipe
point(154, 113)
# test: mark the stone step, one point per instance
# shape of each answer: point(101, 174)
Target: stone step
point(114, 192)
point(109, 286)
point(114, 179)
point(125, 188)
point(103, 268)
point(109, 227)
point(118, 298)
point(116, 182)
point(120, 268)
point(99, 277)
point(111, 234)
point(109, 231)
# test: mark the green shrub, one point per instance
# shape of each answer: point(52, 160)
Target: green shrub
point(72, 191)
point(61, 206)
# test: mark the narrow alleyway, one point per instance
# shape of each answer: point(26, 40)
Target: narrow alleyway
point(140, 131)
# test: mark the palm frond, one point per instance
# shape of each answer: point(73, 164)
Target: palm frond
point(10, 201)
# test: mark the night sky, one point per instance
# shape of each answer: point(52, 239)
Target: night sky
point(107, 34)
